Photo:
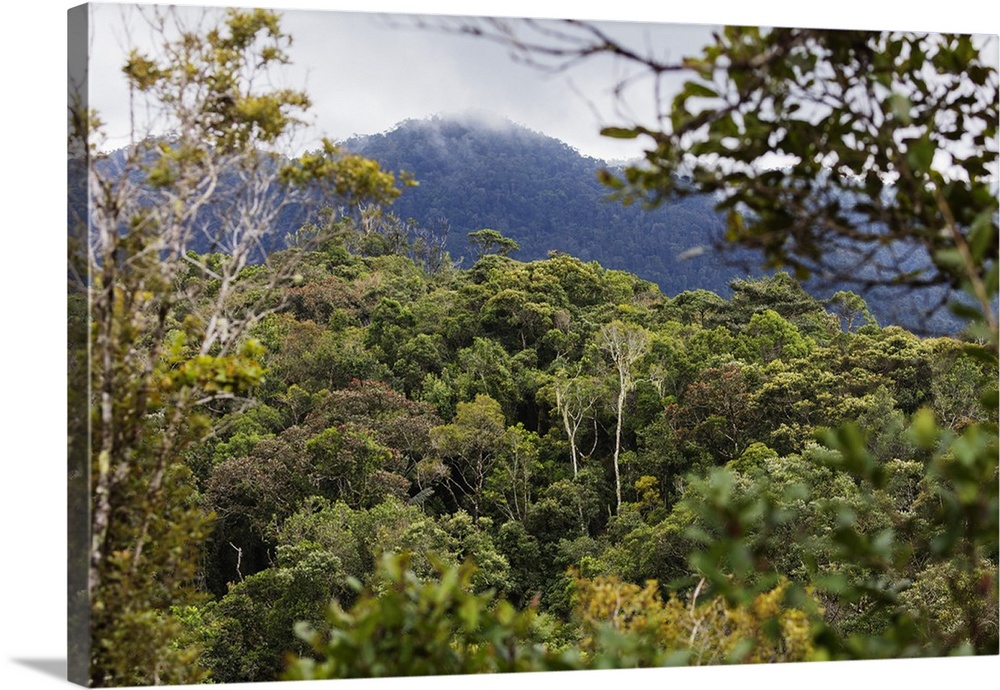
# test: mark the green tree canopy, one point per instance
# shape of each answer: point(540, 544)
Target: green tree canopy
point(488, 241)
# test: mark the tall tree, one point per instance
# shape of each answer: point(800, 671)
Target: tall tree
point(625, 344)
point(849, 307)
point(474, 443)
point(575, 397)
point(509, 486)
point(488, 241)
point(203, 167)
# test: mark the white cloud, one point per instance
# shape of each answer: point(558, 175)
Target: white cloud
point(368, 71)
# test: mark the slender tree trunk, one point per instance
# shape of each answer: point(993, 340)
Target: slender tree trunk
point(570, 432)
point(622, 389)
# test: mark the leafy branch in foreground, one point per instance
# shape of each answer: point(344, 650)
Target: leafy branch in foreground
point(434, 627)
point(412, 627)
point(846, 155)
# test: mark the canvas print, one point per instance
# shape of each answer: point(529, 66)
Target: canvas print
point(407, 345)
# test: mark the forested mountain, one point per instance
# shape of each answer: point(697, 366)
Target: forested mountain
point(475, 172)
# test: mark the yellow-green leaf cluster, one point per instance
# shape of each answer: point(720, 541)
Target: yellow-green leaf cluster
point(713, 631)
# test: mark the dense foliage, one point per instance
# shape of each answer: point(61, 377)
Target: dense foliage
point(426, 414)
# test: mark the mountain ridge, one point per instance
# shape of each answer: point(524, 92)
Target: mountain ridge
point(476, 173)
point(545, 195)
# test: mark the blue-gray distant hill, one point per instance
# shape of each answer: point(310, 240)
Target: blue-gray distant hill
point(476, 172)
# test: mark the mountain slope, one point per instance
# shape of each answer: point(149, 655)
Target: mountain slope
point(474, 173)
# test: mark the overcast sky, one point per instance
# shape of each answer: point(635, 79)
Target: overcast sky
point(368, 71)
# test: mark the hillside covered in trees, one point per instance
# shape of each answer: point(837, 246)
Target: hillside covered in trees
point(568, 428)
point(474, 171)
